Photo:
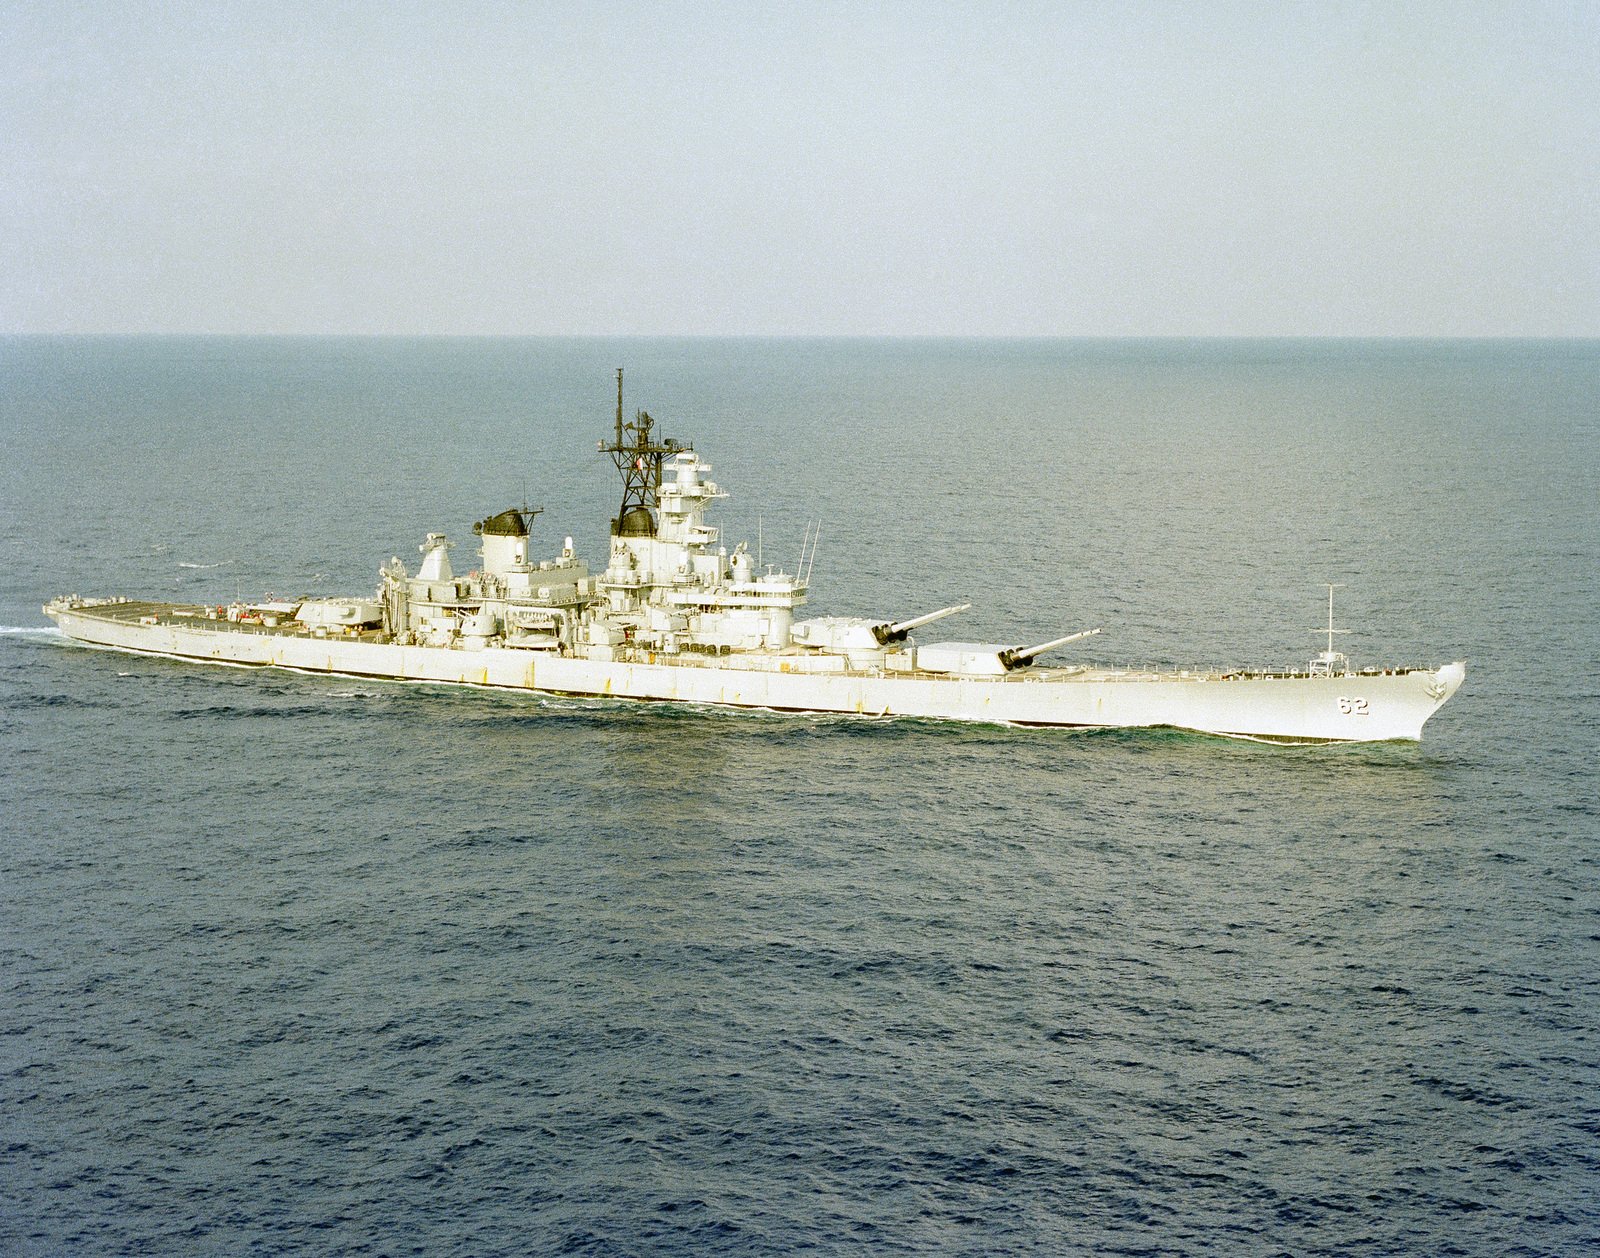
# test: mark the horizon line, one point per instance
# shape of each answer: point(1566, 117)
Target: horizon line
point(806, 336)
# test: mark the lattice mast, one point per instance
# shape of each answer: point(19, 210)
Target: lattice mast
point(639, 460)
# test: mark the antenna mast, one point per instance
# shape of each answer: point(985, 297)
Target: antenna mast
point(1327, 659)
point(639, 460)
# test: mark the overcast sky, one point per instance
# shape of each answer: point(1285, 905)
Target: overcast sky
point(979, 168)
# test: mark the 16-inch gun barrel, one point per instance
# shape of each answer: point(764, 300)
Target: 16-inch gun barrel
point(898, 631)
point(1017, 657)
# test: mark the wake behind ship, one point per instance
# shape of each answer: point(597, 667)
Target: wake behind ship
point(676, 616)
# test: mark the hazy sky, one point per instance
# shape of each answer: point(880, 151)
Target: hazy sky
point(978, 168)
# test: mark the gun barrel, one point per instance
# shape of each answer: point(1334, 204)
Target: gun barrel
point(1016, 657)
point(897, 632)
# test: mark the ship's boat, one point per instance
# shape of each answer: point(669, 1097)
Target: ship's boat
point(674, 615)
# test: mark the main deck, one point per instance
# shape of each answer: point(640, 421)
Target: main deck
point(791, 659)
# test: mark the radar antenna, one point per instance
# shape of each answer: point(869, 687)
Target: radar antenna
point(1323, 664)
point(639, 460)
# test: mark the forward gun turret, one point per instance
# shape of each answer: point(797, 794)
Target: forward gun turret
point(856, 634)
point(1020, 657)
point(986, 659)
point(900, 630)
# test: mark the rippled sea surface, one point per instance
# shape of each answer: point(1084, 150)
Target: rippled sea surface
point(305, 965)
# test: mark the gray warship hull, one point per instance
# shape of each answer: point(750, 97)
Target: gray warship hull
point(1365, 706)
point(675, 616)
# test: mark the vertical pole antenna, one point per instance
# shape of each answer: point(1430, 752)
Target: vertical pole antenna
point(619, 406)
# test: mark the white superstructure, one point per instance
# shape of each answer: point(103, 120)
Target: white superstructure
point(675, 615)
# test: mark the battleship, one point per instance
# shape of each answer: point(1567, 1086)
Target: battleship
point(676, 616)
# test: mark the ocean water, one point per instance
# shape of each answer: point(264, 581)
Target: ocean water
point(299, 965)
